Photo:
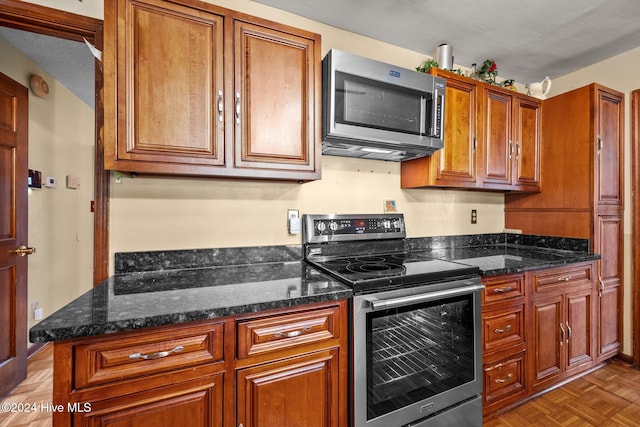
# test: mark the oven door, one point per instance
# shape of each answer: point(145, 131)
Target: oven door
point(417, 351)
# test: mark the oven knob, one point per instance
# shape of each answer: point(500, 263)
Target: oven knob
point(333, 226)
point(386, 224)
point(321, 226)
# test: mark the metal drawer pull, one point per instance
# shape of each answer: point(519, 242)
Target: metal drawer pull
point(237, 108)
point(564, 279)
point(503, 290)
point(292, 333)
point(562, 337)
point(158, 355)
point(220, 106)
point(568, 332)
point(504, 380)
point(502, 331)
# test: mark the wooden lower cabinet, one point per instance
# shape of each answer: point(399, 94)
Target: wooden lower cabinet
point(541, 328)
point(300, 392)
point(272, 368)
point(563, 337)
point(195, 403)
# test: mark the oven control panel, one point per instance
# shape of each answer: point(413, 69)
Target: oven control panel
point(325, 228)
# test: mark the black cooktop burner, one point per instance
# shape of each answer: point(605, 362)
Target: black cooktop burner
point(378, 271)
point(368, 252)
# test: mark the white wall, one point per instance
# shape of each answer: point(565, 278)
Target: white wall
point(620, 73)
point(61, 141)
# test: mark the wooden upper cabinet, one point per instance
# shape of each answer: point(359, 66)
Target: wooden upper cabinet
point(274, 98)
point(162, 88)
point(491, 140)
point(497, 148)
point(194, 89)
point(608, 127)
point(455, 165)
point(527, 128)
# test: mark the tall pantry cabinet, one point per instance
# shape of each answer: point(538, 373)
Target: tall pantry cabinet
point(582, 193)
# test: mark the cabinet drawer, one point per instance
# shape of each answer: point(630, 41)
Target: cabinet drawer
point(114, 359)
point(503, 328)
point(503, 288)
point(267, 334)
point(579, 276)
point(504, 381)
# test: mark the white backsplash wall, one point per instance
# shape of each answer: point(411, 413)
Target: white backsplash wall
point(150, 213)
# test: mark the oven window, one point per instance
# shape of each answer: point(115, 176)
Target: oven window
point(379, 105)
point(418, 351)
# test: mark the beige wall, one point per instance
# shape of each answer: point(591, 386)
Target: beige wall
point(619, 73)
point(164, 213)
point(60, 225)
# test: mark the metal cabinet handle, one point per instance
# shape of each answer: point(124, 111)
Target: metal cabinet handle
point(475, 143)
point(564, 279)
point(220, 106)
point(600, 144)
point(517, 150)
point(502, 331)
point(568, 332)
point(237, 108)
point(503, 380)
point(291, 334)
point(601, 290)
point(503, 290)
point(562, 336)
point(23, 250)
point(157, 355)
point(510, 149)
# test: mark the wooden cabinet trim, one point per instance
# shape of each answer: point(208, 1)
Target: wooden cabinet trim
point(266, 335)
point(113, 359)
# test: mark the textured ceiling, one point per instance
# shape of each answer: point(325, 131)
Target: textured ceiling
point(528, 39)
point(69, 62)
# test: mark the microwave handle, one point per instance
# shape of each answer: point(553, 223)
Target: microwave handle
point(378, 304)
point(437, 114)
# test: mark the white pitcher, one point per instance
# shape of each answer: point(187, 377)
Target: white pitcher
point(541, 89)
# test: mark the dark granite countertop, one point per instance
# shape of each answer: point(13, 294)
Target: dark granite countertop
point(130, 301)
point(505, 253)
point(169, 287)
point(506, 259)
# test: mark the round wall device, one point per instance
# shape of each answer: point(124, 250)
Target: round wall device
point(39, 86)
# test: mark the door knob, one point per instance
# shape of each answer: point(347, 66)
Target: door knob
point(23, 250)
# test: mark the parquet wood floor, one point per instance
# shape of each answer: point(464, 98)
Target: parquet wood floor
point(607, 397)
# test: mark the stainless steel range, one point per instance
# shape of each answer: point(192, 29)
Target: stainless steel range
point(416, 336)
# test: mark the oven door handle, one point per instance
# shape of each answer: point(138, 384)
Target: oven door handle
point(382, 304)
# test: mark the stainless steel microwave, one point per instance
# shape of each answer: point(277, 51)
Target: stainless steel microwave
point(379, 111)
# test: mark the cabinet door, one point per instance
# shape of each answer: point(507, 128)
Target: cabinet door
point(275, 99)
point(497, 149)
point(608, 243)
point(454, 165)
point(297, 392)
point(548, 340)
point(161, 112)
point(195, 403)
point(609, 147)
point(578, 328)
point(526, 163)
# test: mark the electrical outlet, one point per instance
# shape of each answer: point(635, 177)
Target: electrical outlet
point(474, 216)
point(293, 221)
